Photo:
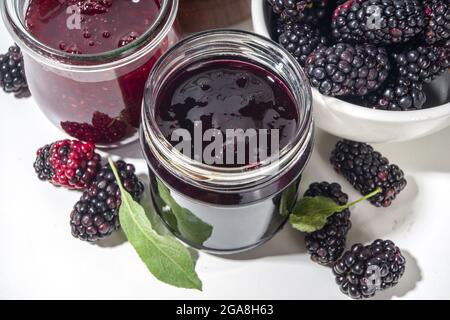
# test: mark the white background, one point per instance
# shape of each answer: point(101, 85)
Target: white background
point(40, 259)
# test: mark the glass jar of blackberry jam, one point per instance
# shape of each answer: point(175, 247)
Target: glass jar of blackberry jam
point(87, 61)
point(211, 193)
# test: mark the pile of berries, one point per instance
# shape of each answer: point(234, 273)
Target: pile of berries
point(75, 165)
point(363, 270)
point(379, 52)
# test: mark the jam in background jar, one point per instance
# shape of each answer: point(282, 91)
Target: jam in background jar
point(87, 61)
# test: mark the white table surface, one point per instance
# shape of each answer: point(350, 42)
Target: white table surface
point(39, 258)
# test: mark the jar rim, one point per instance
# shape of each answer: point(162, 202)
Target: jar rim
point(227, 177)
point(86, 62)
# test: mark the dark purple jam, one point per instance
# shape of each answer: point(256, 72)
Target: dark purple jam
point(227, 94)
point(224, 94)
point(103, 107)
point(104, 25)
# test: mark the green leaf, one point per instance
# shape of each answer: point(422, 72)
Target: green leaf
point(311, 213)
point(165, 257)
point(187, 224)
point(288, 198)
point(157, 223)
point(166, 212)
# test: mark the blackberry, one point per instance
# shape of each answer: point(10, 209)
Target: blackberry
point(43, 168)
point(422, 63)
point(326, 245)
point(367, 170)
point(403, 91)
point(96, 215)
point(397, 95)
point(69, 163)
point(344, 69)
point(437, 13)
point(304, 11)
point(280, 26)
point(378, 21)
point(301, 40)
point(314, 14)
point(328, 190)
point(365, 270)
point(288, 9)
point(12, 73)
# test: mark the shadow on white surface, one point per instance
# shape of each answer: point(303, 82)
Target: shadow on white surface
point(409, 281)
point(131, 151)
point(325, 143)
point(429, 154)
point(287, 242)
point(116, 239)
point(370, 223)
point(23, 95)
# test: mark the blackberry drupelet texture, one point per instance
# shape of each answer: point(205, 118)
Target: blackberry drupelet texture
point(68, 163)
point(288, 9)
point(345, 69)
point(301, 40)
point(326, 245)
point(279, 26)
point(397, 95)
point(366, 169)
point(437, 13)
point(304, 11)
point(378, 21)
point(43, 168)
point(12, 73)
point(421, 63)
point(96, 215)
point(365, 270)
point(413, 66)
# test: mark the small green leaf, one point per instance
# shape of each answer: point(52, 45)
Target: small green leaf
point(165, 257)
point(157, 223)
point(311, 213)
point(188, 225)
point(288, 198)
point(166, 212)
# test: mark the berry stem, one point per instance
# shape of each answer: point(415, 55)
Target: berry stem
point(368, 196)
point(116, 174)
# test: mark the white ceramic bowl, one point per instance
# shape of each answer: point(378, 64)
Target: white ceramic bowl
point(351, 121)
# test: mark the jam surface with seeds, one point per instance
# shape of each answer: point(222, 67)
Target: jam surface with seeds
point(227, 94)
point(90, 26)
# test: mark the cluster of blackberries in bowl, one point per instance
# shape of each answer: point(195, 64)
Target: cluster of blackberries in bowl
point(375, 53)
